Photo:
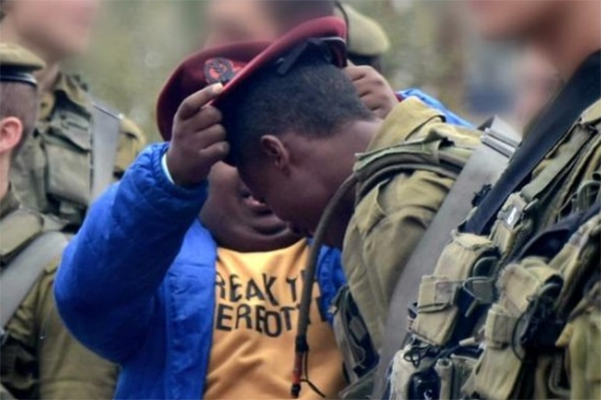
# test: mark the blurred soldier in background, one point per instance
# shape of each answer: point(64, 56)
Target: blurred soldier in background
point(40, 359)
point(79, 146)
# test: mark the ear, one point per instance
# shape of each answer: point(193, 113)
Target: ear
point(11, 132)
point(276, 152)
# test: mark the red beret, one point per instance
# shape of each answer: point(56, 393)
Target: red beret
point(234, 64)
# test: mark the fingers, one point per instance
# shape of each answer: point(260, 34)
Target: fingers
point(203, 119)
point(215, 153)
point(192, 105)
point(211, 136)
point(356, 73)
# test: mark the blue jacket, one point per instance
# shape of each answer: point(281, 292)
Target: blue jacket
point(450, 116)
point(137, 283)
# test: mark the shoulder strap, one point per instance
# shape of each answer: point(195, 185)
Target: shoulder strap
point(23, 225)
point(20, 275)
point(105, 138)
point(434, 153)
point(483, 168)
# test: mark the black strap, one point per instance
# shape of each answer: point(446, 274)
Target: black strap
point(578, 94)
point(550, 242)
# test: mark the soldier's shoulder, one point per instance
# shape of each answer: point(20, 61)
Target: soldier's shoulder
point(20, 226)
point(74, 88)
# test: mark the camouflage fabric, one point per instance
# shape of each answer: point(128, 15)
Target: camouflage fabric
point(52, 173)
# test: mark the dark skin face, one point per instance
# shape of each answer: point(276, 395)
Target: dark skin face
point(298, 176)
point(237, 220)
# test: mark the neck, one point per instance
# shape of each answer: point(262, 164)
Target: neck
point(572, 37)
point(45, 77)
point(356, 139)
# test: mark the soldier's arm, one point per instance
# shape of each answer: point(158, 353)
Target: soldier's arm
point(67, 370)
point(109, 277)
point(396, 216)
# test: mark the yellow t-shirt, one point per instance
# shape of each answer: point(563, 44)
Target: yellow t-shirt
point(255, 326)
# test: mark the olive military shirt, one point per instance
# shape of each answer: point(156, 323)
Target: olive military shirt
point(391, 218)
point(40, 359)
point(52, 173)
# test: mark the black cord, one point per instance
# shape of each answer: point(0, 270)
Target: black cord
point(307, 380)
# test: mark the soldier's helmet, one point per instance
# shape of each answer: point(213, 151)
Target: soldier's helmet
point(17, 64)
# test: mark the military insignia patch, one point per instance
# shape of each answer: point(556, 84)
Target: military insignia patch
point(219, 70)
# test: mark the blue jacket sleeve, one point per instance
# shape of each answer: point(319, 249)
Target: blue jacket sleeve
point(451, 117)
point(107, 285)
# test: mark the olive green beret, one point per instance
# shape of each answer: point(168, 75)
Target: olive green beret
point(17, 64)
point(365, 36)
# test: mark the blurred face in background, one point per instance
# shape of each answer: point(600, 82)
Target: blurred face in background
point(515, 19)
point(537, 83)
point(54, 28)
point(233, 21)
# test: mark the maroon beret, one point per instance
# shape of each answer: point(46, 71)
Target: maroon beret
point(232, 65)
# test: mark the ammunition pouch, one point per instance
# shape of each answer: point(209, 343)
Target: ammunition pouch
point(461, 283)
point(439, 359)
point(521, 325)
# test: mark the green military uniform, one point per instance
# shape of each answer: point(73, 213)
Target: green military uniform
point(53, 173)
point(390, 218)
point(39, 358)
point(512, 311)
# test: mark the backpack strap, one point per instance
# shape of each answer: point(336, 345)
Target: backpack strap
point(484, 167)
point(23, 271)
point(105, 139)
point(23, 225)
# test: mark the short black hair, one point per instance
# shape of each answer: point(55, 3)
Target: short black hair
point(20, 100)
point(314, 98)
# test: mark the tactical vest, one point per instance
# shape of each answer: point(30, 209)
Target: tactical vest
point(69, 161)
point(30, 243)
point(480, 325)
